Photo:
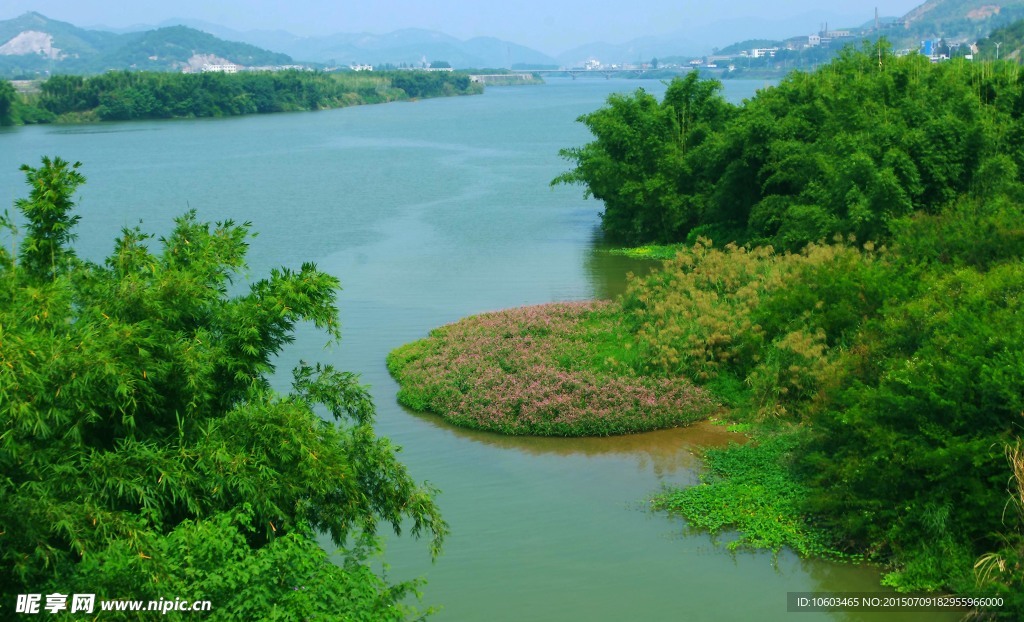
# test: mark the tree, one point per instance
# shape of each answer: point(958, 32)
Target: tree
point(848, 149)
point(45, 250)
point(649, 158)
point(143, 447)
point(8, 97)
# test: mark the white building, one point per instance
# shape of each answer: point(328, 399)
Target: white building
point(221, 68)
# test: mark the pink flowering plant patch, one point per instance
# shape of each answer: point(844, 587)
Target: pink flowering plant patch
point(560, 369)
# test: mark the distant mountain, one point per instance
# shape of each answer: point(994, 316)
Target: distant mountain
point(1010, 40)
point(409, 46)
point(176, 47)
point(33, 44)
point(701, 39)
point(959, 20)
point(953, 21)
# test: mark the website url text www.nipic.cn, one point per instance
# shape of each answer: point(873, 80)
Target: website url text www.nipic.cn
point(87, 603)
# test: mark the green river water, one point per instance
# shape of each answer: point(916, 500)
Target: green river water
point(430, 211)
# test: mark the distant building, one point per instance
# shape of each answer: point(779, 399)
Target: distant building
point(813, 40)
point(761, 52)
point(230, 68)
point(358, 67)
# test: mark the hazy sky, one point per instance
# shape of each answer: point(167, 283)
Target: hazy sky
point(550, 26)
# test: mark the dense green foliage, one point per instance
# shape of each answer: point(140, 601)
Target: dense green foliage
point(127, 95)
point(1002, 571)
point(911, 453)
point(143, 449)
point(418, 84)
point(885, 367)
point(902, 367)
point(643, 163)
point(848, 149)
point(8, 99)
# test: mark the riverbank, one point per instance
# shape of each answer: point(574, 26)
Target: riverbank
point(129, 96)
point(505, 78)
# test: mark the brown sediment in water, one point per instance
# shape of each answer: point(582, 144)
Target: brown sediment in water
point(668, 450)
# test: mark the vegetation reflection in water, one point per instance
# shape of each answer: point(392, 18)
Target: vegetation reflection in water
point(675, 451)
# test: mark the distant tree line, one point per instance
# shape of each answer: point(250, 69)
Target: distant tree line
point(129, 95)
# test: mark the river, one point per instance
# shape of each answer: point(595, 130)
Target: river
point(429, 211)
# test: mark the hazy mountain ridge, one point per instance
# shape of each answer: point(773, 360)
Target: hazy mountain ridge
point(33, 44)
point(953, 20)
point(177, 45)
point(409, 45)
point(960, 20)
point(68, 38)
point(1006, 42)
point(173, 42)
point(699, 40)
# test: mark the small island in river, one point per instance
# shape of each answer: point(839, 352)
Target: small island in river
point(550, 370)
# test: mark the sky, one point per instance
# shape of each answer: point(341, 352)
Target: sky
point(550, 26)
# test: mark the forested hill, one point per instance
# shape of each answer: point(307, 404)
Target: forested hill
point(33, 45)
point(1010, 40)
point(960, 20)
point(177, 46)
point(949, 10)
